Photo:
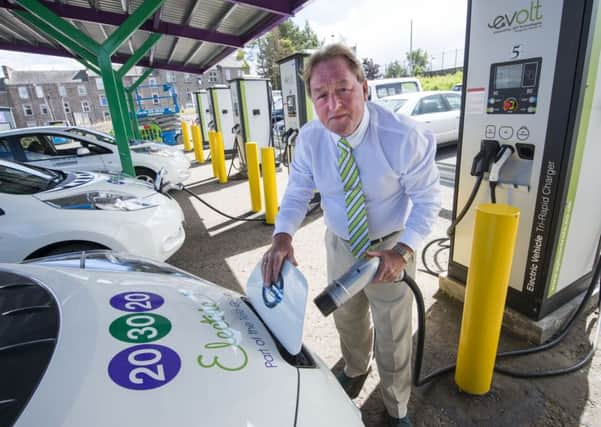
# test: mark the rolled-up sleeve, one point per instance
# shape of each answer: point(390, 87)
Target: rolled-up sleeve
point(298, 192)
point(422, 185)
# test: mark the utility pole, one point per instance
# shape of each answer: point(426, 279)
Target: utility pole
point(411, 48)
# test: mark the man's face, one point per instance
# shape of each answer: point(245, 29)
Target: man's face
point(338, 97)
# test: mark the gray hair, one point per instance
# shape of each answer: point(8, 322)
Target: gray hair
point(331, 51)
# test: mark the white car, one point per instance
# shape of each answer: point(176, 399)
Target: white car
point(44, 212)
point(439, 111)
point(98, 339)
point(75, 148)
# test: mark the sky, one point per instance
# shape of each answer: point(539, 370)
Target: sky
point(379, 28)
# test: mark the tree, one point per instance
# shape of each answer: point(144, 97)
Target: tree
point(371, 69)
point(395, 69)
point(417, 61)
point(284, 40)
point(241, 56)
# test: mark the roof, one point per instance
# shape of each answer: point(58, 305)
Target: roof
point(195, 34)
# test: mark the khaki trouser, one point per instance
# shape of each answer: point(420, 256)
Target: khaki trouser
point(390, 305)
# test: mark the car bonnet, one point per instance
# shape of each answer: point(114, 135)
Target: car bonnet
point(142, 349)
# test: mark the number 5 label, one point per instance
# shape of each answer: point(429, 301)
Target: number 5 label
point(144, 367)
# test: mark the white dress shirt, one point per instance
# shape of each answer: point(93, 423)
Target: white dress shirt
point(396, 160)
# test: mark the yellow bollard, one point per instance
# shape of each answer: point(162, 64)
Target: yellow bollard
point(212, 143)
point(186, 136)
point(495, 232)
point(269, 184)
point(220, 155)
point(199, 153)
point(254, 182)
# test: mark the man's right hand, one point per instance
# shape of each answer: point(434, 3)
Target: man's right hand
point(281, 249)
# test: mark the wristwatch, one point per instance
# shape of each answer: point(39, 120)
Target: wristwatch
point(404, 251)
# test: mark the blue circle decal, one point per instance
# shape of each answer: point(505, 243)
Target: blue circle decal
point(137, 301)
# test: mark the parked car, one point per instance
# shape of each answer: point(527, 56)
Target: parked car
point(381, 88)
point(85, 149)
point(438, 110)
point(99, 339)
point(45, 212)
point(457, 88)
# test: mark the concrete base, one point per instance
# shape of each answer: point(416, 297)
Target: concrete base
point(515, 322)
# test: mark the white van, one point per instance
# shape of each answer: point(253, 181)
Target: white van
point(381, 88)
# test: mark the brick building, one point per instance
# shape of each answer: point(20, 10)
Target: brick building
point(38, 98)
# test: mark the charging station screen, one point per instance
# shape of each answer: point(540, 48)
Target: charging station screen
point(509, 76)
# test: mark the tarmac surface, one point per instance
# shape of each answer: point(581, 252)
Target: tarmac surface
point(225, 252)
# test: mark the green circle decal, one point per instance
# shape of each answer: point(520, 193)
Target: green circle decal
point(140, 327)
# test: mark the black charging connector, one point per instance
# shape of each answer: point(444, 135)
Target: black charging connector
point(489, 149)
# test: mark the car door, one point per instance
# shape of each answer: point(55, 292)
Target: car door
point(432, 111)
point(454, 103)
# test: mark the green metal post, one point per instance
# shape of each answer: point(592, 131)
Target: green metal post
point(123, 102)
point(111, 89)
point(132, 114)
point(141, 79)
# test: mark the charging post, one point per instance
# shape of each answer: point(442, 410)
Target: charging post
point(531, 83)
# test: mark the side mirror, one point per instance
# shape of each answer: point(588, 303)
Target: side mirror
point(83, 151)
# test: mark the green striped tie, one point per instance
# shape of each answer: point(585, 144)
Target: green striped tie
point(356, 212)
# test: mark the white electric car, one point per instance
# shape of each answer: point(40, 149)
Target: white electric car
point(44, 212)
point(76, 148)
point(100, 339)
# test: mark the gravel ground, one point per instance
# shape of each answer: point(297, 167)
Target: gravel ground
point(225, 251)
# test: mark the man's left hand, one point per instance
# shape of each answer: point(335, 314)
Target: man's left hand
point(391, 265)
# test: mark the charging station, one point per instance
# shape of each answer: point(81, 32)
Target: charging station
point(251, 99)
point(223, 117)
point(298, 108)
point(532, 82)
point(204, 114)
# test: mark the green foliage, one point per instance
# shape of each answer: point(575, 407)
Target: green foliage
point(395, 69)
point(282, 41)
point(417, 61)
point(371, 69)
point(445, 82)
point(241, 56)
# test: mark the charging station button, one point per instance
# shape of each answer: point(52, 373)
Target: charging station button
point(523, 133)
point(505, 132)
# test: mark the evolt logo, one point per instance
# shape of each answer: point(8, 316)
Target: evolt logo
point(525, 16)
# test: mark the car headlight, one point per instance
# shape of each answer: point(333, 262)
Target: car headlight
point(101, 200)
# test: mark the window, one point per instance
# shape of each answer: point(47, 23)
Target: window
point(155, 99)
point(99, 83)
point(212, 76)
point(187, 77)
point(170, 77)
point(453, 100)
point(39, 92)
point(85, 106)
point(228, 74)
point(152, 81)
point(103, 101)
point(106, 115)
point(5, 153)
point(23, 93)
point(430, 104)
point(27, 110)
point(62, 91)
point(189, 94)
point(15, 181)
point(82, 90)
point(44, 109)
point(66, 107)
point(37, 147)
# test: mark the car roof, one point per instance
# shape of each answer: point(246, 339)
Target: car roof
point(21, 131)
point(413, 95)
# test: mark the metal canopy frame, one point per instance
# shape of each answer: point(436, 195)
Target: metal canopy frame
point(151, 33)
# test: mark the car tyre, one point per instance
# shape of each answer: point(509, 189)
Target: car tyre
point(145, 174)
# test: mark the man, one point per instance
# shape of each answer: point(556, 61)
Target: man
point(379, 190)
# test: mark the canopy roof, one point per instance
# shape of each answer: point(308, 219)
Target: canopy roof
point(196, 34)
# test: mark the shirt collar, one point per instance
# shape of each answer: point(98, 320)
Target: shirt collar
point(357, 136)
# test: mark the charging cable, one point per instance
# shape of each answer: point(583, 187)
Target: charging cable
point(504, 154)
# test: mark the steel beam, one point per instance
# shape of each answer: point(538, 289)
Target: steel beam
point(116, 19)
point(278, 7)
point(134, 59)
point(60, 25)
point(127, 28)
